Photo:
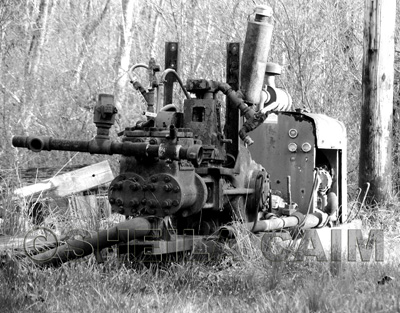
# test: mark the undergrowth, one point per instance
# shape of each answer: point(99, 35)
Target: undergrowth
point(243, 280)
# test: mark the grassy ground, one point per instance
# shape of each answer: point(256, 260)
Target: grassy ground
point(195, 287)
point(244, 281)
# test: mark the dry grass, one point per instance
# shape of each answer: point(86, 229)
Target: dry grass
point(243, 281)
point(196, 287)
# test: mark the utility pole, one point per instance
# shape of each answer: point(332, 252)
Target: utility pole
point(377, 99)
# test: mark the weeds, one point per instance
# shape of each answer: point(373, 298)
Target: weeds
point(240, 280)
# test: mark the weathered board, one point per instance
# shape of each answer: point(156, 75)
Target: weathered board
point(70, 183)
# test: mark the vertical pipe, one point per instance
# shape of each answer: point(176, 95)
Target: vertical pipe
point(255, 53)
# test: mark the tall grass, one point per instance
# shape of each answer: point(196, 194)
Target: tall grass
point(197, 287)
point(243, 280)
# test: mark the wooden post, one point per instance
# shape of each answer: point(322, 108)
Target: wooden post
point(377, 97)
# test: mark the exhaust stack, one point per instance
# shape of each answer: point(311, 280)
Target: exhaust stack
point(255, 53)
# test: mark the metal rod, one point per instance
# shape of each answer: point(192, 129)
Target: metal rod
point(289, 189)
point(239, 191)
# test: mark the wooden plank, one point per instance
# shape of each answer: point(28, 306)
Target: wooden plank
point(73, 182)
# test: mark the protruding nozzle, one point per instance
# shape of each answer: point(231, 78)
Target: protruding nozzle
point(193, 153)
point(263, 11)
point(272, 70)
point(36, 144)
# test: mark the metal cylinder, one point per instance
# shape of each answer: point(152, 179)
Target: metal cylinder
point(255, 53)
point(297, 220)
point(275, 99)
point(165, 151)
point(77, 248)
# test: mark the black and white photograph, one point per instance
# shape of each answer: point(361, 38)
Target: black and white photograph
point(199, 156)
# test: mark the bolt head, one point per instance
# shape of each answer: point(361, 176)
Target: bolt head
point(150, 210)
point(133, 203)
point(134, 186)
point(166, 204)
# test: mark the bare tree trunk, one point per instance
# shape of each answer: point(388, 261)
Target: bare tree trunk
point(200, 57)
point(156, 31)
point(33, 61)
point(377, 107)
point(124, 51)
point(87, 33)
point(37, 41)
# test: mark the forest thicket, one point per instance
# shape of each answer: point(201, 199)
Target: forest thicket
point(56, 56)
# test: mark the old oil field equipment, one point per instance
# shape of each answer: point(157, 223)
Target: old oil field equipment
point(181, 170)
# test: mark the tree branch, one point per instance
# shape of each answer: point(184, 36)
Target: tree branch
point(6, 91)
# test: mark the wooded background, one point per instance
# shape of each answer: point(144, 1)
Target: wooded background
point(56, 56)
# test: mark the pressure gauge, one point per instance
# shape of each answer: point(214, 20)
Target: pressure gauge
point(306, 147)
point(292, 147)
point(293, 133)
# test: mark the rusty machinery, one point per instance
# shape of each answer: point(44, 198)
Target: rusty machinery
point(182, 170)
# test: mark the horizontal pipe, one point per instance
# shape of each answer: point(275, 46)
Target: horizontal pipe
point(193, 153)
point(77, 248)
point(239, 191)
point(304, 222)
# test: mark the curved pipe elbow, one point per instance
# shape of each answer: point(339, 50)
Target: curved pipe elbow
point(244, 137)
point(235, 99)
point(224, 87)
point(172, 71)
point(137, 65)
point(255, 120)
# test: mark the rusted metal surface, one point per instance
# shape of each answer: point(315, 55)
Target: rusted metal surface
point(272, 152)
point(181, 170)
point(293, 144)
point(232, 113)
point(255, 55)
point(172, 62)
point(330, 133)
